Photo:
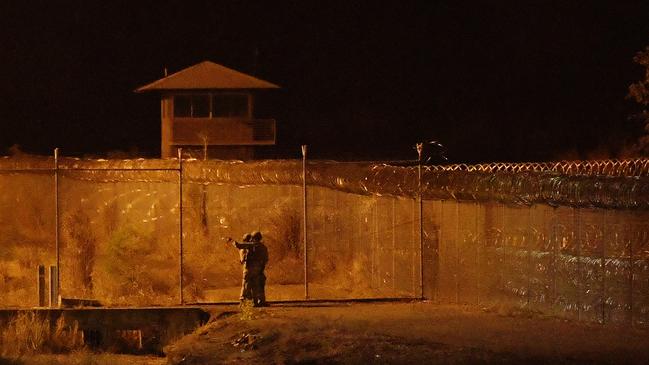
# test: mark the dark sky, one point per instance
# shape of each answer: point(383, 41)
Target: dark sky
point(492, 81)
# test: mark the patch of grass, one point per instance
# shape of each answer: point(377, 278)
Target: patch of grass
point(28, 333)
point(122, 277)
point(80, 241)
point(83, 357)
point(247, 310)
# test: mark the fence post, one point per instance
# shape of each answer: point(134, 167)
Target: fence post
point(457, 251)
point(503, 257)
point(577, 222)
point(543, 246)
point(438, 252)
point(413, 253)
point(180, 226)
point(375, 237)
point(553, 291)
point(304, 219)
point(420, 148)
point(602, 264)
point(631, 262)
point(41, 285)
point(394, 245)
point(57, 281)
point(530, 231)
point(477, 250)
point(54, 285)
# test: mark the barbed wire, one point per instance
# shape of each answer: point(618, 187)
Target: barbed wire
point(618, 184)
point(634, 167)
point(631, 167)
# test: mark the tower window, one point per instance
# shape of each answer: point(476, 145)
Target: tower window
point(223, 105)
point(230, 105)
point(200, 106)
point(182, 106)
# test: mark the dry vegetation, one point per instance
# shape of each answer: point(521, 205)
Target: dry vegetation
point(83, 357)
point(117, 240)
point(28, 338)
point(28, 333)
point(26, 235)
point(76, 230)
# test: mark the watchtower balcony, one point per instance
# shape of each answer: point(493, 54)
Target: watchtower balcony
point(222, 131)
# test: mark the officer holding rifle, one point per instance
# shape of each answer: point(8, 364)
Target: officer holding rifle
point(253, 256)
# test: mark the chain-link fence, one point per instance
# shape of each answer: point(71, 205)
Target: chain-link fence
point(362, 246)
point(27, 232)
point(581, 263)
point(569, 239)
point(119, 235)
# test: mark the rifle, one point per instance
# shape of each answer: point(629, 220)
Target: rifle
point(243, 255)
point(239, 245)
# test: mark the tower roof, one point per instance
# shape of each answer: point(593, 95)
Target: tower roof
point(207, 75)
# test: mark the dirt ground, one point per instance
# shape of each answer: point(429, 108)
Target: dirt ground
point(402, 333)
point(384, 333)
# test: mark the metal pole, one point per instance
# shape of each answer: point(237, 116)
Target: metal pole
point(438, 248)
point(413, 252)
point(477, 251)
point(394, 244)
point(180, 226)
point(577, 220)
point(503, 257)
point(375, 271)
point(530, 229)
point(457, 251)
point(554, 259)
point(57, 292)
point(542, 246)
point(420, 148)
point(41, 285)
point(304, 220)
point(54, 302)
point(631, 261)
point(602, 264)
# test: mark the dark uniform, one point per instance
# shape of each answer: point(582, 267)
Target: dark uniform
point(243, 247)
point(253, 255)
point(255, 266)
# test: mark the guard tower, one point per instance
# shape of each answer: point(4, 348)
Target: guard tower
point(208, 109)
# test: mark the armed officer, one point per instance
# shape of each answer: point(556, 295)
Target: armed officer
point(253, 256)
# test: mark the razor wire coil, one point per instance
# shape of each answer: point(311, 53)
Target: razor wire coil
point(635, 167)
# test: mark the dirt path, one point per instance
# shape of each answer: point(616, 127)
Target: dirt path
point(402, 333)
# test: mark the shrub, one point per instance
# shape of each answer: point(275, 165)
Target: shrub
point(28, 333)
point(81, 249)
point(284, 232)
point(283, 237)
point(133, 270)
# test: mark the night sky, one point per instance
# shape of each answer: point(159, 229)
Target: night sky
point(503, 80)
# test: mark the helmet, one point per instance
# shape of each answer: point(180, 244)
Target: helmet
point(247, 237)
point(256, 236)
